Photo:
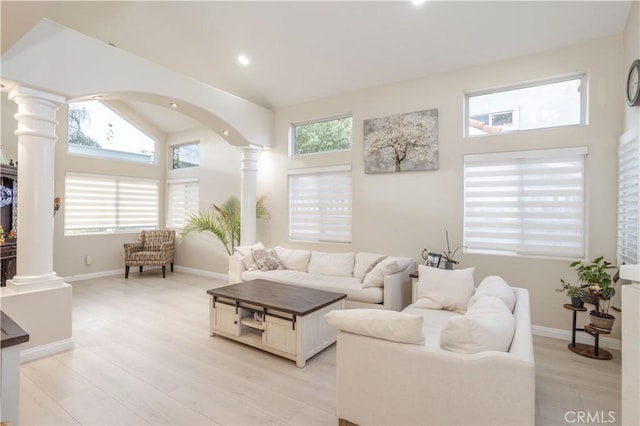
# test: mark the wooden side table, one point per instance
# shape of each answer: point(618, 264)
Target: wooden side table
point(590, 351)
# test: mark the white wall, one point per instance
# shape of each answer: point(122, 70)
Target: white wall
point(403, 213)
point(219, 177)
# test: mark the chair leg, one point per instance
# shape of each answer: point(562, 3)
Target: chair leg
point(164, 270)
point(126, 272)
point(141, 269)
point(171, 266)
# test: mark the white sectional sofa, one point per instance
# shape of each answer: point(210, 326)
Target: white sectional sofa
point(407, 368)
point(386, 286)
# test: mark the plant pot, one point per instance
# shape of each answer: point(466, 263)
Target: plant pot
point(603, 321)
point(448, 265)
point(576, 302)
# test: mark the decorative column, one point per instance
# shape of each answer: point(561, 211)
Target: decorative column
point(36, 136)
point(248, 194)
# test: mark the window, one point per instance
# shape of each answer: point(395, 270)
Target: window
point(628, 200)
point(552, 103)
point(322, 136)
point(182, 201)
point(187, 155)
point(526, 203)
point(97, 131)
point(97, 204)
point(320, 204)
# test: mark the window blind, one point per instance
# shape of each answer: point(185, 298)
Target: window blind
point(628, 183)
point(97, 204)
point(182, 201)
point(526, 203)
point(320, 204)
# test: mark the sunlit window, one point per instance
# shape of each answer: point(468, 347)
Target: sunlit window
point(97, 131)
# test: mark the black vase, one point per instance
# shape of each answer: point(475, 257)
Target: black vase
point(576, 302)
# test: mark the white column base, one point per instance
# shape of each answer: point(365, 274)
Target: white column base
point(34, 282)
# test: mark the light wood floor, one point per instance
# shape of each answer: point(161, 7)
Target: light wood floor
point(143, 355)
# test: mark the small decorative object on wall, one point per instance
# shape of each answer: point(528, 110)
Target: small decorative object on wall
point(402, 142)
point(633, 84)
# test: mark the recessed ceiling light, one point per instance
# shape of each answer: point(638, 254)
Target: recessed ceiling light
point(243, 60)
point(417, 2)
point(225, 132)
point(174, 105)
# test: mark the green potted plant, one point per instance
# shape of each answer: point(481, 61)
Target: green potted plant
point(573, 291)
point(597, 289)
point(223, 221)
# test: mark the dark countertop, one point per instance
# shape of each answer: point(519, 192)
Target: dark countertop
point(12, 333)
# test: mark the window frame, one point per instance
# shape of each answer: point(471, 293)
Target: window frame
point(338, 169)
point(172, 148)
point(186, 181)
point(99, 153)
point(117, 180)
point(582, 76)
point(551, 154)
point(292, 135)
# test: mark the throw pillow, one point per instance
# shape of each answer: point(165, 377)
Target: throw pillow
point(487, 326)
point(494, 285)
point(247, 256)
point(363, 262)
point(444, 288)
point(338, 264)
point(267, 260)
point(295, 260)
point(387, 325)
point(375, 278)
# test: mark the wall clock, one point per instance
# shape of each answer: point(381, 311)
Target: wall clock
point(633, 84)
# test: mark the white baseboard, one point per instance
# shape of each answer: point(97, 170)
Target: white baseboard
point(42, 351)
point(202, 273)
point(556, 333)
point(101, 274)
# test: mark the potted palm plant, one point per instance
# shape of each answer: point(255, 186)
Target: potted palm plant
point(597, 289)
point(223, 221)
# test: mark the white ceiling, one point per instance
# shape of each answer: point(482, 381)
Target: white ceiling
point(303, 50)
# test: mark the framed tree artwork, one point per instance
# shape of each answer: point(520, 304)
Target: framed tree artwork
point(402, 142)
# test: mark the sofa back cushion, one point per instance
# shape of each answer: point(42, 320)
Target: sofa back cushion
point(444, 288)
point(494, 285)
point(294, 260)
point(364, 261)
point(247, 256)
point(375, 277)
point(487, 326)
point(339, 264)
point(382, 324)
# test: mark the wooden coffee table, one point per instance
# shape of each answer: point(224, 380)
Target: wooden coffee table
point(283, 319)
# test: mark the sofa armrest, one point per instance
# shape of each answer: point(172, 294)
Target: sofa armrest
point(236, 268)
point(132, 247)
point(397, 289)
point(167, 248)
point(398, 383)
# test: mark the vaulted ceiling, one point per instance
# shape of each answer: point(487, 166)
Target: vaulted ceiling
point(304, 50)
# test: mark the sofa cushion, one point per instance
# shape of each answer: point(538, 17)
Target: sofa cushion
point(296, 260)
point(338, 264)
point(267, 260)
point(444, 289)
point(247, 256)
point(375, 278)
point(389, 325)
point(487, 326)
point(364, 261)
point(433, 321)
point(352, 287)
point(494, 285)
